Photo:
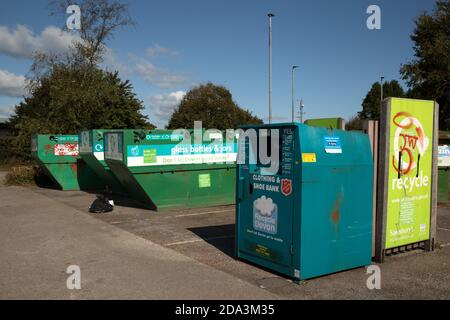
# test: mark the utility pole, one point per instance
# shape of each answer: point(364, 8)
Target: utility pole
point(270, 15)
point(302, 106)
point(381, 101)
point(293, 94)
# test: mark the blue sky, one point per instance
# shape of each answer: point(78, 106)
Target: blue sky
point(177, 44)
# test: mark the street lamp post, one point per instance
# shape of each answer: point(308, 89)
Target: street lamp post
point(270, 15)
point(293, 95)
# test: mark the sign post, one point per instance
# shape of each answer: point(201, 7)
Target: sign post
point(371, 128)
point(407, 180)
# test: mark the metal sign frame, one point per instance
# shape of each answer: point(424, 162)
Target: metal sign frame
point(371, 127)
point(383, 181)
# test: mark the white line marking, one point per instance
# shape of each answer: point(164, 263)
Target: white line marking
point(445, 244)
point(196, 240)
point(200, 213)
point(444, 229)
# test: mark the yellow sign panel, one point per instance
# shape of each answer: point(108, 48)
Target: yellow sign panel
point(204, 180)
point(309, 157)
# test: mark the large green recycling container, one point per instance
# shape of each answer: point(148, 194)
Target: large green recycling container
point(91, 151)
point(443, 184)
point(329, 123)
point(58, 155)
point(443, 173)
point(165, 169)
point(443, 167)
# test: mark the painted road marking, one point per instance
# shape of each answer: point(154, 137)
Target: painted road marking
point(445, 244)
point(196, 240)
point(201, 213)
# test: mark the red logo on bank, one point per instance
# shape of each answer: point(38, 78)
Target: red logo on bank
point(286, 186)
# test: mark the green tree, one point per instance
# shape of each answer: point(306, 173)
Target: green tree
point(99, 20)
point(428, 74)
point(70, 92)
point(353, 124)
point(371, 103)
point(70, 99)
point(214, 106)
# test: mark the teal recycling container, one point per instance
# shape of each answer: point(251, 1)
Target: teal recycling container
point(307, 212)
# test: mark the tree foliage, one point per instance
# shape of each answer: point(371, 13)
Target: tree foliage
point(100, 18)
point(214, 106)
point(70, 92)
point(70, 99)
point(428, 74)
point(354, 124)
point(371, 103)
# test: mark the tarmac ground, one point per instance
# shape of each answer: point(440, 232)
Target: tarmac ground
point(133, 253)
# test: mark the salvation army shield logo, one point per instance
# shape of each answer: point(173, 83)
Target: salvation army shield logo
point(286, 187)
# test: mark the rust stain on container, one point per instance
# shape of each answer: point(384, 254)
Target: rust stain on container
point(47, 148)
point(74, 167)
point(335, 215)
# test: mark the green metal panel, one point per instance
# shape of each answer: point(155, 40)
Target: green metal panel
point(163, 173)
point(443, 177)
point(329, 123)
point(314, 216)
point(92, 152)
point(58, 155)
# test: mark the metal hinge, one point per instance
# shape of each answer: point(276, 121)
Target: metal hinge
point(291, 250)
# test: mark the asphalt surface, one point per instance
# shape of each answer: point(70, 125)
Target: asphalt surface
point(41, 237)
point(134, 253)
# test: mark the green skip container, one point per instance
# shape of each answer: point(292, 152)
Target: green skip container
point(443, 167)
point(58, 156)
point(329, 123)
point(92, 152)
point(164, 169)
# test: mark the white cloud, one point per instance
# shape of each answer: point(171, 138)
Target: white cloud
point(157, 50)
point(158, 76)
point(6, 112)
point(163, 105)
point(11, 85)
point(22, 42)
point(112, 62)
